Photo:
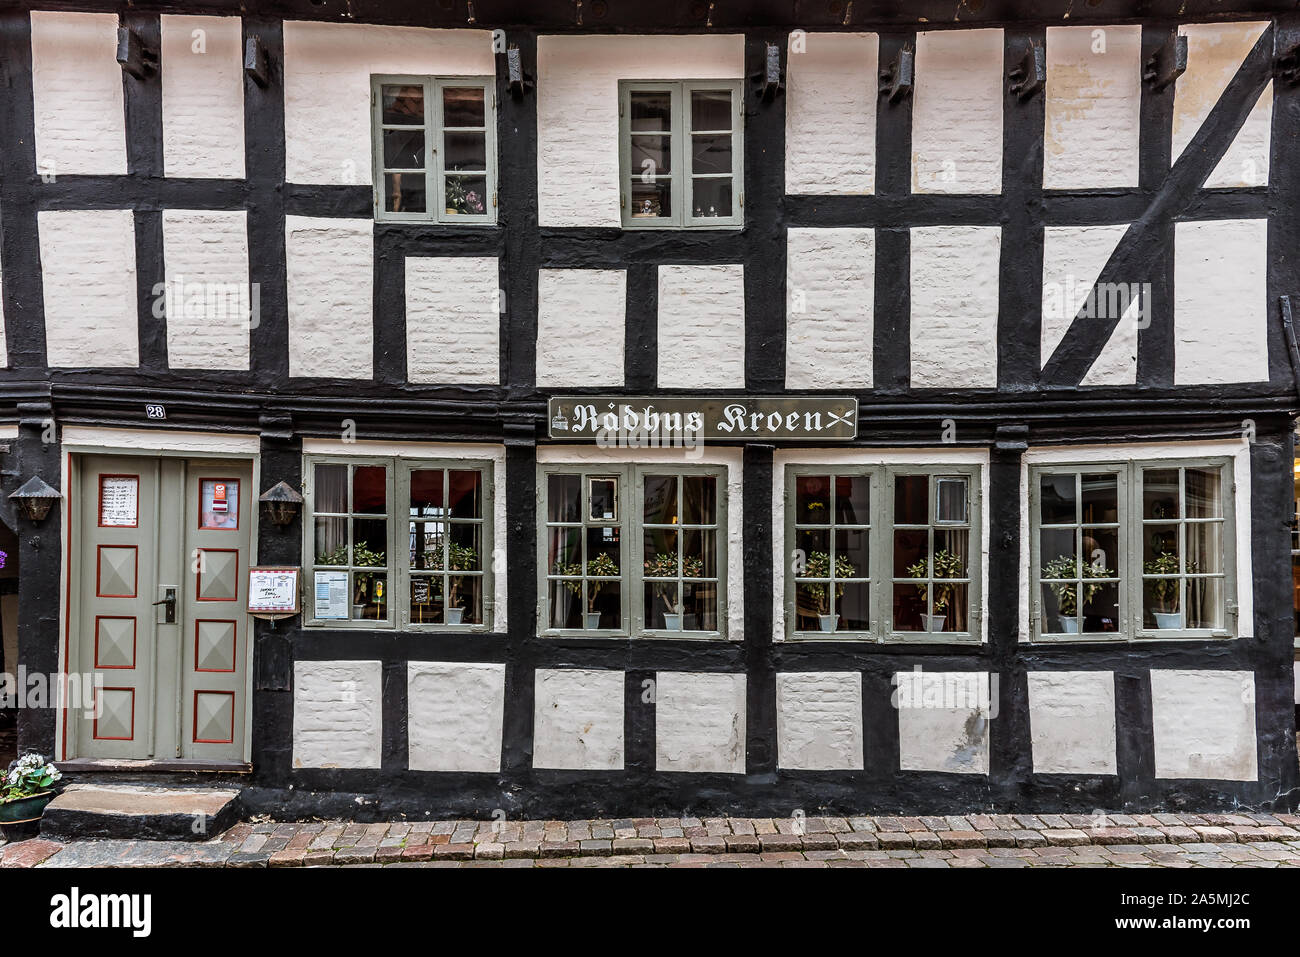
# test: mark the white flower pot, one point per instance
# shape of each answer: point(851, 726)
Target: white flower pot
point(1070, 626)
point(933, 622)
point(1169, 620)
point(593, 620)
point(828, 622)
point(358, 611)
point(455, 616)
point(672, 622)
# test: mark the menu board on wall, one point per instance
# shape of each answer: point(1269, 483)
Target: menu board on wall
point(119, 501)
point(273, 591)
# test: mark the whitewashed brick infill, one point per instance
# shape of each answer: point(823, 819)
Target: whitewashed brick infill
point(943, 721)
point(701, 327)
point(337, 714)
point(700, 722)
point(580, 327)
point(830, 308)
point(454, 716)
point(330, 266)
point(830, 114)
point(203, 96)
point(819, 720)
point(578, 720)
point(954, 338)
point(957, 112)
point(453, 322)
point(1203, 723)
point(1072, 721)
point(207, 289)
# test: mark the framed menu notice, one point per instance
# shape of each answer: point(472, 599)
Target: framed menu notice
point(273, 591)
point(119, 501)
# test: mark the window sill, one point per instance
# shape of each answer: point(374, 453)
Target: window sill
point(1143, 638)
point(712, 636)
point(843, 637)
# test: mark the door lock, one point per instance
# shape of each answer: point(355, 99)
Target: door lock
point(169, 604)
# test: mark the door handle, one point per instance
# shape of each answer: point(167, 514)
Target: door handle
point(169, 605)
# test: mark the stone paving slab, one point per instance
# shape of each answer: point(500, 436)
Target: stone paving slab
point(973, 840)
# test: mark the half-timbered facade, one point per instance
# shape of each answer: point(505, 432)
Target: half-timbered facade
point(718, 406)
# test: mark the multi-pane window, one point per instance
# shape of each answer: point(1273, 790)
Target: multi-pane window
point(680, 146)
point(633, 550)
point(435, 153)
point(882, 553)
point(1133, 550)
point(437, 558)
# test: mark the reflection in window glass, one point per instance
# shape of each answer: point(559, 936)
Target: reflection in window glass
point(832, 564)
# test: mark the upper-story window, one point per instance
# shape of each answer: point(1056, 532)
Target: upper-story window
point(633, 551)
point(680, 150)
point(396, 542)
point(1133, 550)
point(434, 149)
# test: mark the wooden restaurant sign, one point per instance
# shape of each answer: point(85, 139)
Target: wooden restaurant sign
point(647, 421)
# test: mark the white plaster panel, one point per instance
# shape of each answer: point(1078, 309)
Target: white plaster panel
point(577, 111)
point(203, 96)
point(1072, 721)
point(88, 277)
point(454, 715)
point(1215, 51)
point(1093, 107)
point(700, 722)
point(208, 297)
point(90, 438)
point(496, 454)
point(819, 720)
point(954, 336)
point(830, 114)
point(77, 94)
point(830, 459)
point(1073, 258)
point(943, 721)
point(453, 327)
point(1203, 723)
point(730, 458)
point(1236, 449)
point(337, 714)
point(330, 267)
point(1221, 301)
point(578, 720)
point(957, 112)
point(580, 326)
point(830, 308)
point(327, 70)
point(702, 327)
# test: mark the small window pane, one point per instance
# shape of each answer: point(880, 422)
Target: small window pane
point(699, 553)
point(1160, 550)
point(1100, 499)
point(426, 600)
point(1205, 603)
point(426, 492)
point(404, 192)
point(370, 596)
point(912, 500)
point(1101, 552)
point(911, 553)
point(403, 149)
point(466, 151)
point(370, 489)
point(950, 501)
point(651, 200)
point(331, 541)
point(464, 553)
point(699, 606)
point(852, 553)
point(909, 607)
point(565, 598)
point(465, 493)
point(466, 195)
point(951, 549)
point(711, 197)
point(711, 153)
point(1162, 603)
point(1058, 499)
point(564, 498)
point(403, 105)
point(651, 156)
point(663, 606)
point(603, 552)
point(660, 553)
point(465, 593)
point(602, 499)
point(1160, 494)
point(427, 545)
point(1205, 549)
point(699, 500)
point(564, 551)
point(650, 110)
point(813, 546)
point(854, 606)
point(812, 500)
point(1204, 493)
point(1057, 553)
point(660, 500)
point(604, 609)
point(369, 542)
point(463, 106)
point(1100, 607)
point(711, 110)
point(853, 500)
point(331, 484)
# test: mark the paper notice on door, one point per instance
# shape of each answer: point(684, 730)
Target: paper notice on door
point(119, 501)
point(331, 595)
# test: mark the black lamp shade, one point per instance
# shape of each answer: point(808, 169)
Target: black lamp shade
point(34, 499)
point(281, 504)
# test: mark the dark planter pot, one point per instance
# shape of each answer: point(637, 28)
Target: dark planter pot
point(21, 819)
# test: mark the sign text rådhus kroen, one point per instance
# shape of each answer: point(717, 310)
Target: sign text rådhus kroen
point(726, 418)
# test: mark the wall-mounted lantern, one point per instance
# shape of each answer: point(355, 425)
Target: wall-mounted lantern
point(281, 504)
point(34, 499)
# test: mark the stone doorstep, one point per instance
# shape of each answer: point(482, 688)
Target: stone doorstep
point(87, 811)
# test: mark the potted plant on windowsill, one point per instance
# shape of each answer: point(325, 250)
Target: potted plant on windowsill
point(818, 565)
point(946, 565)
point(665, 566)
point(1063, 566)
point(460, 558)
point(602, 565)
point(1165, 591)
point(28, 786)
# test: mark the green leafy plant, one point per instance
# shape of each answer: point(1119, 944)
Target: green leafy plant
point(946, 565)
point(664, 565)
point(603, 565)
point(460, 558)
point(361, 556)
point(1063, 566)
point(29, 775)
point(1165, 591)
point(818, 565)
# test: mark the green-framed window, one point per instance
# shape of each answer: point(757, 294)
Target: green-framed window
point(434, 149)
point(681, 148)
point(883, 553)
point(1133, 550)
point(398, 543)
point(633, 551)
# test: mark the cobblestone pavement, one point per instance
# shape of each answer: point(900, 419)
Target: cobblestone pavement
point(997, 840)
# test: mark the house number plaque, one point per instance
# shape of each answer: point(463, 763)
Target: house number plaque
point(649, 421)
